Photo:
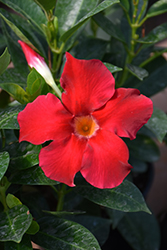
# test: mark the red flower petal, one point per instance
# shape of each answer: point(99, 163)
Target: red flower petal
point(44, 119)
point(105, 160)
point(125, 113)
point(61, 161)
point(88, 85)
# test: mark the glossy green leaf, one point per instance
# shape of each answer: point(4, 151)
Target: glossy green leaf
point(20, 24)
point(12, 200)
point(17, 56)
point(32, 176)
point(14, 223)
point(125, 4)
point(156, 35)
point(112, 68)
point(4, 61)
point(157, 8)
point(98, 226)
point(64, 234)
point(9, 117)
point(158, 123)
point(4, 162)
point(45, 4)
point(69, 12)
point(25, 244)
point(102, 6)
point(63, 213)
point(156, 81)
point(126, 197)
point(115, 215)
point(33, 229)
point(13, 75)
point(28, 9)
point(140, 230)
point(143, 148)
point(140, 73)
point(91, 48)
point(35, 85)
point(23, 155)
point(33, 79)
point(17, 92)
point(109, 27)
point(17, 31)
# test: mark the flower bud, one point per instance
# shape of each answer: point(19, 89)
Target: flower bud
point(36, 61)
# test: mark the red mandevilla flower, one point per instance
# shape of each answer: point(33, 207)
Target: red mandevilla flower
point(86, 127)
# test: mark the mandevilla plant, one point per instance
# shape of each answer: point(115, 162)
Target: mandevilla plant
point(77, 122)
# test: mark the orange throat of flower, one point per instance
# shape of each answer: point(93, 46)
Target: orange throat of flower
point(85, 126)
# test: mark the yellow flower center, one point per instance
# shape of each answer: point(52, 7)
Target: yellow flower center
point(85, 126)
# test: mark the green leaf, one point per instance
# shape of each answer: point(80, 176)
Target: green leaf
point(9, 117)
point(158, 123)
point(140, 230)
point(17, 31)
point(156, 35)
point(91, 48)
point(143, 148)
point(156, 81)
point(4, 61)
point(13, 75)
point(125, 4)
point(28, 9)
point(36, 85)
point(109, 27)
point(140, 73)
point(32, 176)
point(4, 162)
point(98, 226)
point(63, 213)
point(69, 12)
point(64, 234)
point(112, 68)
point(102, 6)
point(45, 4)
point(116, 216)
point(126, 197)
point(12, 201)
point(157, 8)
point(23, 155)
point(17, 56)
point(32, 79)
point(14, 223)
point(17, 92)
point(33, 229)
point(25, 244)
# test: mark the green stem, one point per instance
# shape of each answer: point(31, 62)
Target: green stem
point(55, 189)
point(61, 194)
point(54, 65)
point(131, 53)
point(151, 58)
point(141, 12)
point(3, 199)
point(3, 138)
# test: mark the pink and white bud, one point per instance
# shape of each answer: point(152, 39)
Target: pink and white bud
point(36, 61)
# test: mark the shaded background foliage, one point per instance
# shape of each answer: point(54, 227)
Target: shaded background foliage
point(118, 33)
